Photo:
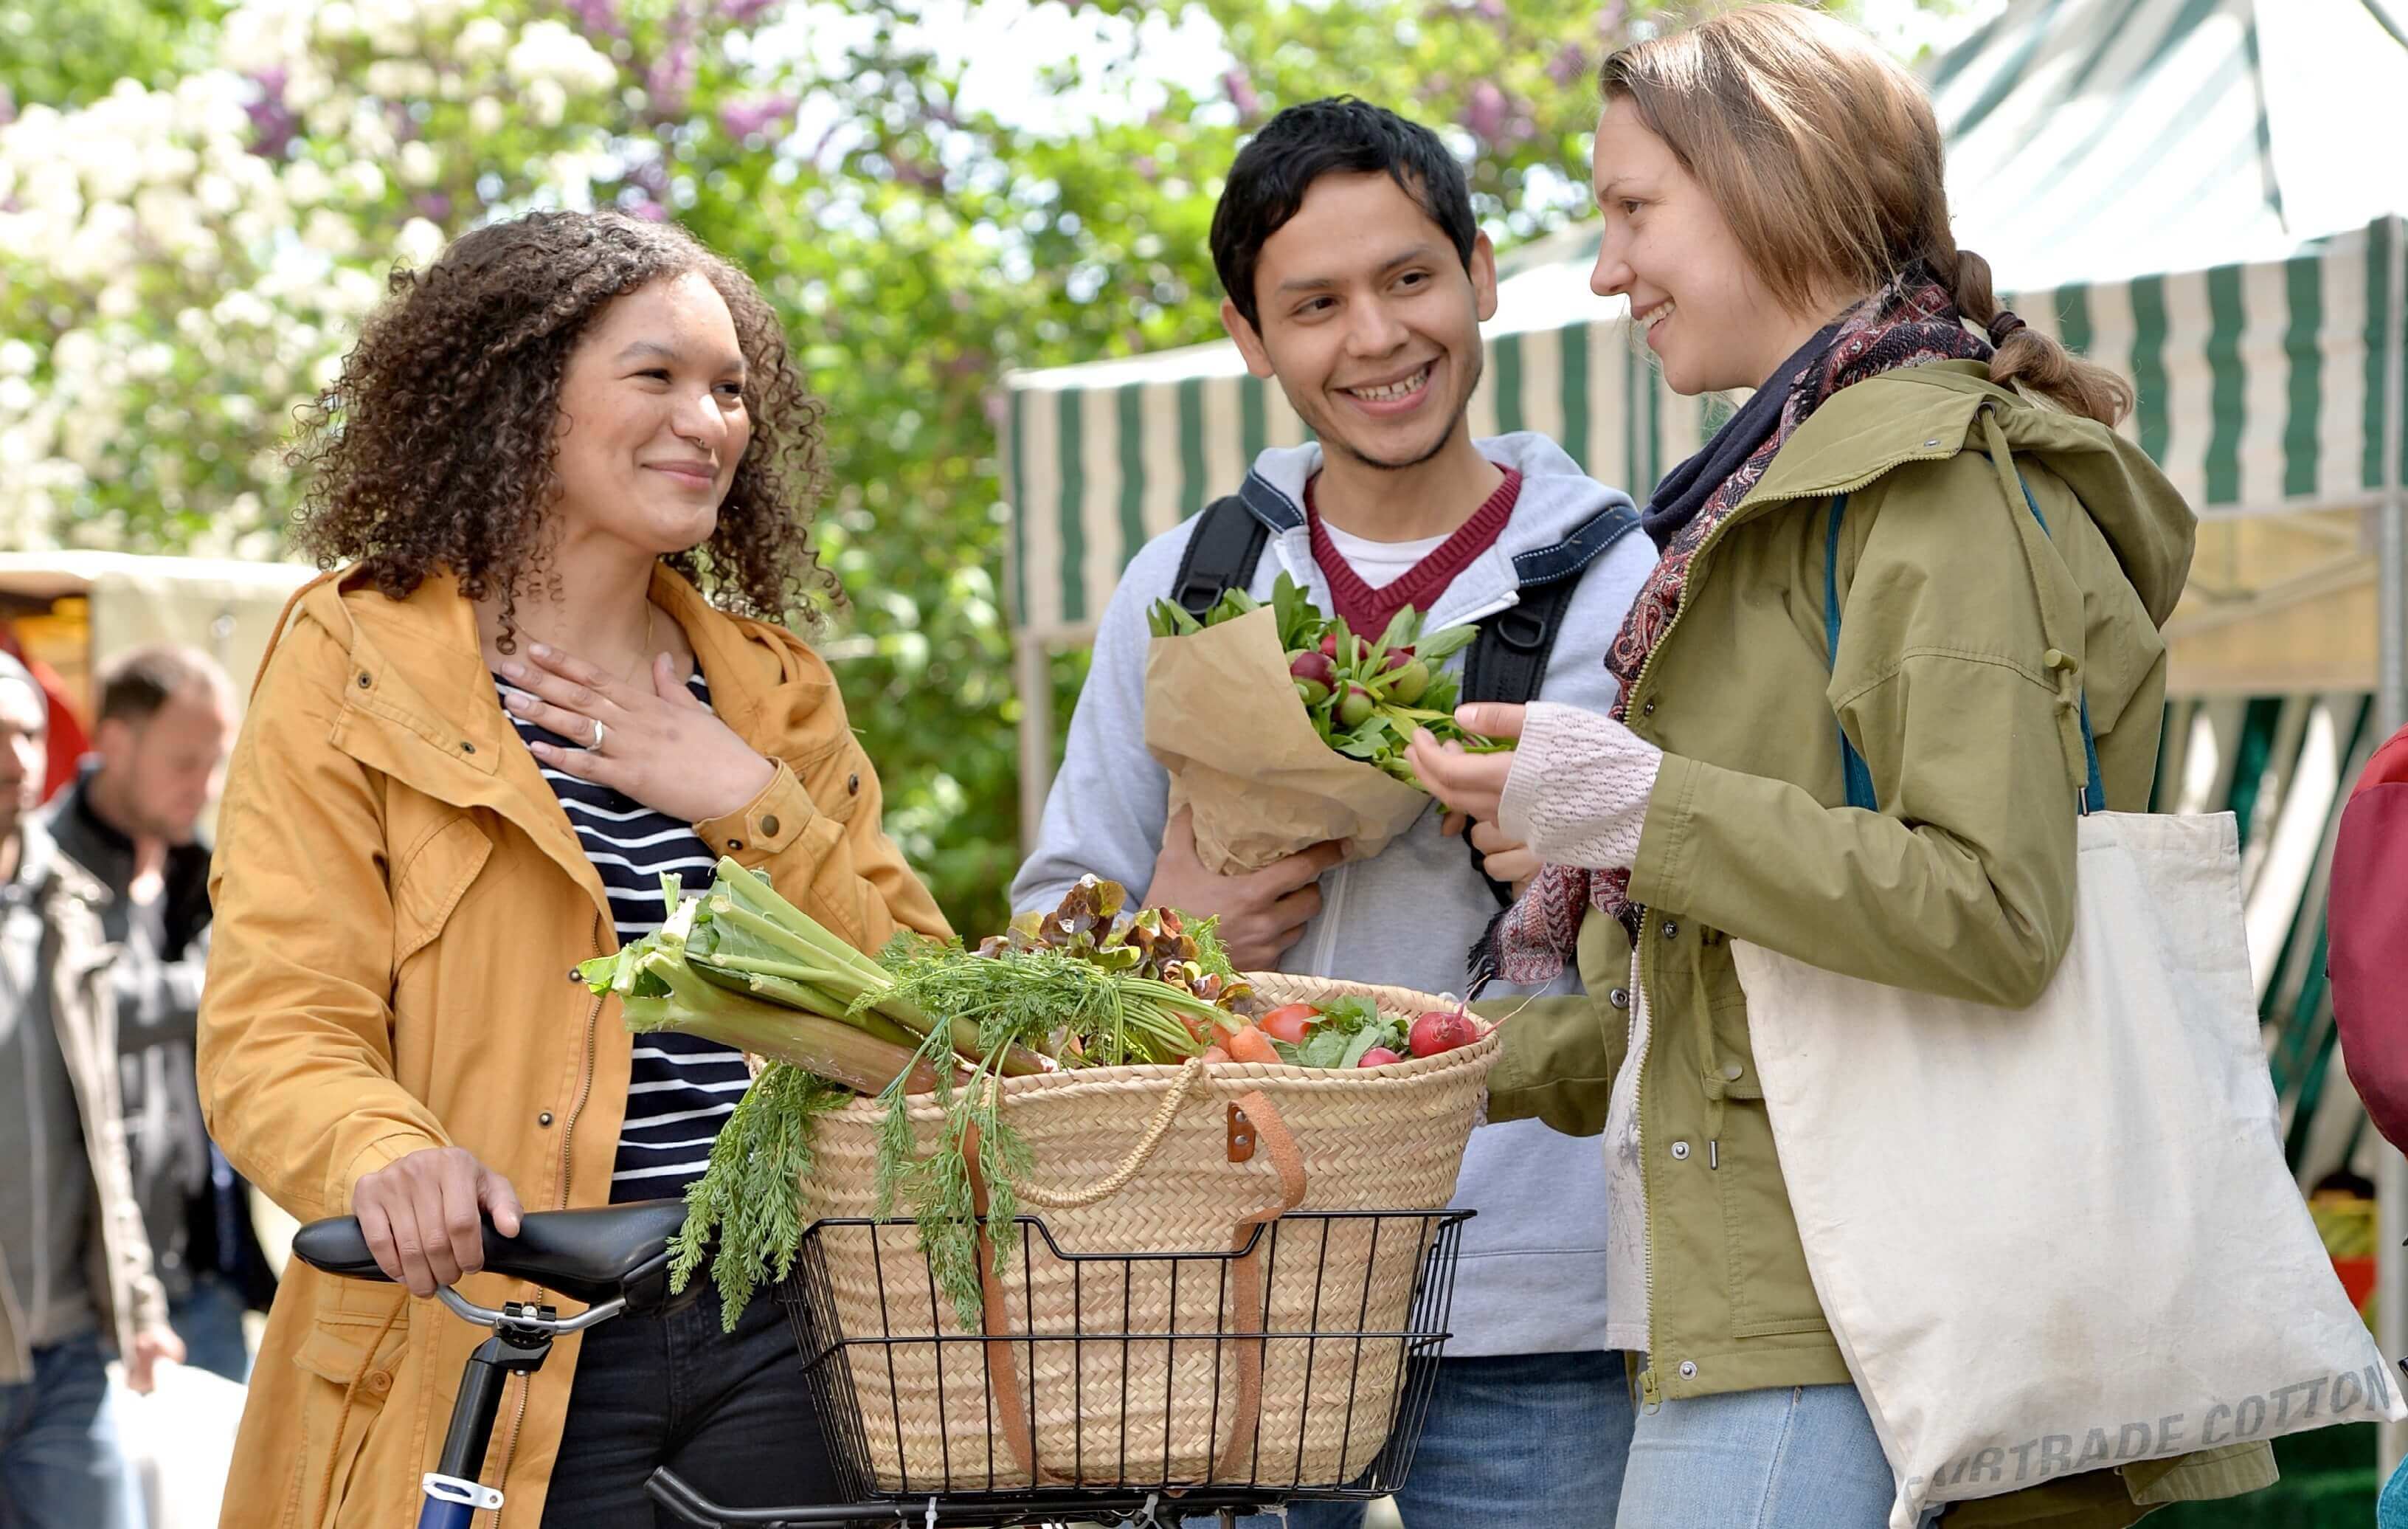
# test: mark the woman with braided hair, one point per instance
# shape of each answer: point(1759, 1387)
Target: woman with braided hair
point(566, 474)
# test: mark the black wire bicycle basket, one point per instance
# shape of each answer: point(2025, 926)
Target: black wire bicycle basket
point(1297, 1363)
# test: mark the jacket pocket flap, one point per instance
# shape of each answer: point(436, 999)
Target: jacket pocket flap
point(340, 1354)
point(430, 883)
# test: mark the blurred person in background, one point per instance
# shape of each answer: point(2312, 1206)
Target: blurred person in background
point(132, 819)
point(75, 1266)
point(2369, 966)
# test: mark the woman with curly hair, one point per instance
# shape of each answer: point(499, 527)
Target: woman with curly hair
point(565, 473)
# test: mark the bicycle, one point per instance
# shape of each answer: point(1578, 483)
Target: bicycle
point(615, 1259)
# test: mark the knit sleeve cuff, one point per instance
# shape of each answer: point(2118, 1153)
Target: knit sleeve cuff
point(1577, 794)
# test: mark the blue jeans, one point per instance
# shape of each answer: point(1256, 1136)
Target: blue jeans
point(210, 1320)
point(1804, 1457)
point(1533, 1439)
point(61, 1466)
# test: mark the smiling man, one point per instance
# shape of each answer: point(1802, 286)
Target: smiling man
point(1357, 280)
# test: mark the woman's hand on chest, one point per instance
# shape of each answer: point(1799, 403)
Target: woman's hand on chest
point(650, 739)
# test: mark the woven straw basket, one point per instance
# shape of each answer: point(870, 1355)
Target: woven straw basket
point(1140, 1160)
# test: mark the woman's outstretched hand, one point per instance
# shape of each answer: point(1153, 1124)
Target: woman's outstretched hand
point(1468, 784)
point(657, 745)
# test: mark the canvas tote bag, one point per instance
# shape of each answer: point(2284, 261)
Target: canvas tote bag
point(2063, 1238)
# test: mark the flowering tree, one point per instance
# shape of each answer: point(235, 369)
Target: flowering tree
point(184, 259)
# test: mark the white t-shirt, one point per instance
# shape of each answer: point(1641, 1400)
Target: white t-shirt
point(1380, 564)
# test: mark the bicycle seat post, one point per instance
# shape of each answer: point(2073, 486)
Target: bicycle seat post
point(522, 1341)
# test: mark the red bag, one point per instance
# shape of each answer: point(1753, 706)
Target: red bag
point(2368, 921)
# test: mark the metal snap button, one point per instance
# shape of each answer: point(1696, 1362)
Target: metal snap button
point(769, 825)
point(1619, 997)
point(467, 747)
point(1648, 710)
point(364, 682)
point(544, 1120)
point(1671, 929)
point(736, 844)
point(1688, 1369)
point(1681, 1151)
point(853, 784)
point(1731, 1070)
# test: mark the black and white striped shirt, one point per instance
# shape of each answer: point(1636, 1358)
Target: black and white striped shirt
point(683, 1087)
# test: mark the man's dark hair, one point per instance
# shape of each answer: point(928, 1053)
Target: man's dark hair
point(1336, 134)
point(136, 684)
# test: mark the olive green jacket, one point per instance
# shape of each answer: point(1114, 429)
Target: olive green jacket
point(1969, 636)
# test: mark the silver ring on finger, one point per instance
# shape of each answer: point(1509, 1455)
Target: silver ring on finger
point(601, 731)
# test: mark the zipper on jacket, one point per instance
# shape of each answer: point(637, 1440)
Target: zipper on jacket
point(1650, 1390)
point(568, 1132)
point(1325, 952)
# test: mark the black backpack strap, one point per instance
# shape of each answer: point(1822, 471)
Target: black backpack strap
point(1220, 557)
point(1507, 661)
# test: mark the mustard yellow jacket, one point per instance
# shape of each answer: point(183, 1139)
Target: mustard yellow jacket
point(399, 901)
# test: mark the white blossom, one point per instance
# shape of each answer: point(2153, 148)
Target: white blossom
point(549, 50)
point(419, 243)
point(483, 38)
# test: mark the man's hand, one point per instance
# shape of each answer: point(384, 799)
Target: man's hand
point(150, 1346)
point(1262, 913)
point(420, 1216)
point(1503, 858)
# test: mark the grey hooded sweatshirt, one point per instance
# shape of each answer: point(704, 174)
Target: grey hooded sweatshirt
point(1532, 1276)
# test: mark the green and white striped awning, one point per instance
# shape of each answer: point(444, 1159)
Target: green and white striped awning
point(2259, 387)
point(2157, 180)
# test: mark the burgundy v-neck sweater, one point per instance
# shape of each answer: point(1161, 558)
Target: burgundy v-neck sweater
point(1368, 611)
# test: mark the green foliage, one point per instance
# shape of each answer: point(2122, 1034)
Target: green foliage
point(221, 236)
point(751, 1193)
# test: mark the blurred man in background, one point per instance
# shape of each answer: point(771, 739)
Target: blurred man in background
point(132, 819)
point(75, 1266)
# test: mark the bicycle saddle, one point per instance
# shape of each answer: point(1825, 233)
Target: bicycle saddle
point(592, 1256)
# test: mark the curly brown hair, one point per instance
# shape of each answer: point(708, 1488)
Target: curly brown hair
point(435, 446)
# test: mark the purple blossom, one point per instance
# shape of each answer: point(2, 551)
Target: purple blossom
point(742, 120)
point(599, 17)
point(7, 107)
point(1241, 89)
point(1485, 112)
point(273, 124)
point(1493, 9)
point(743, 12)
point(670, 78)
point(1612, 21)
point(1146, 168)
point(434, 206)
point(1569, 63)
point(649, 210)
point(652, 177)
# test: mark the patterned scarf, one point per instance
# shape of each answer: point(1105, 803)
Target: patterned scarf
point(1911, 322)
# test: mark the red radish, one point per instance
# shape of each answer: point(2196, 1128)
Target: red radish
point(1379, 1056)
point(1289, 1023)
point(1442, 1029)
point(1313, 668)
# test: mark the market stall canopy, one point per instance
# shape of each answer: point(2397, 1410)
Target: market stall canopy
point(76, 609)
point(2167, 184)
